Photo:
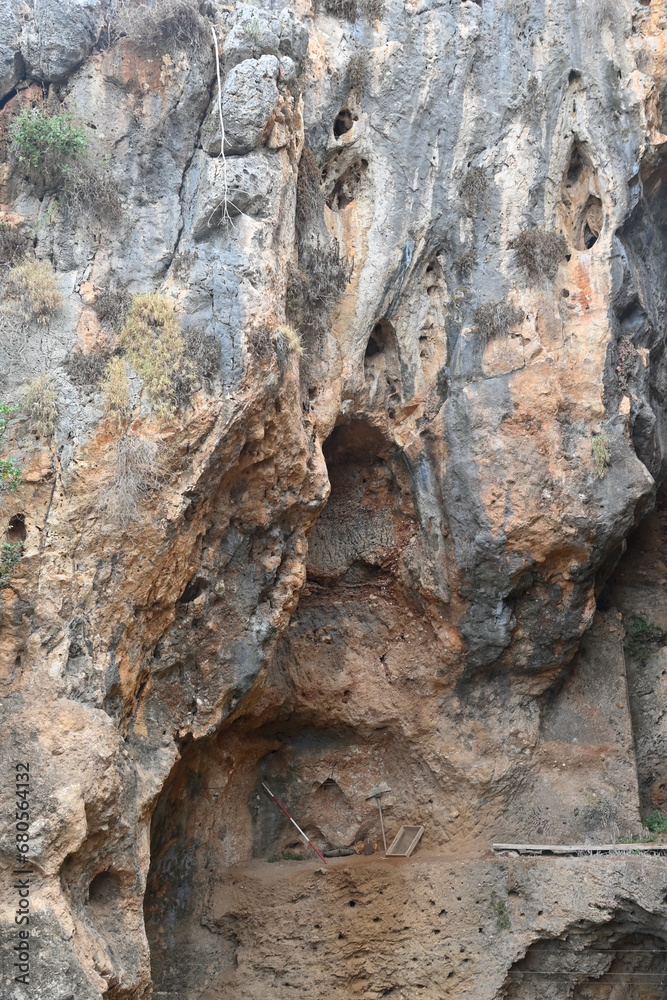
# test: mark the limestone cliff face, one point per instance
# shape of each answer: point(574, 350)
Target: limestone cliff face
point(371, 556)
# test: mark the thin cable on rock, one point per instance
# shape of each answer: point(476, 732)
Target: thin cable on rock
point(226, 217)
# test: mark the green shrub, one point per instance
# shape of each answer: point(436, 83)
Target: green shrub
point(48, 143)
point(601, 456)
point(538, 252)
point(10, 474)
point(494, 320)
point(499, 907)
point(40, 402)
point(34, 289)
point(155, 347)
point(642, 635)
point(13, 244)
point(54, 148)
point(655, 822)
point(10, 556)
point(284, 856)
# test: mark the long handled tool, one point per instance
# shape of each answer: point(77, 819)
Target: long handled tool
point(377, 793)
point(280, 806)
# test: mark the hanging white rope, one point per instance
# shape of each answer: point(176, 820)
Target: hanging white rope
point(226, 217)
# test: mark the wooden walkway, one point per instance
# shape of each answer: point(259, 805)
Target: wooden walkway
point(565, 849)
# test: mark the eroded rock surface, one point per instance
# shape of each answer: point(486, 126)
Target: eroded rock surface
point(367, 549)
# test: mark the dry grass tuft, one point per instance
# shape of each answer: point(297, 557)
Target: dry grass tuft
point(111, 307)
point(494, 320)
point(33, 287)
point(87, 370)
point(539, 252)
point(204, 351)
point(40, 401)
point(116, 392)
point(352, 10)
point(467, 262)
point(13, 245)
point(163, 23)
point(290, 336)
point(155, 347)
point(473, 189)
point(136, 473)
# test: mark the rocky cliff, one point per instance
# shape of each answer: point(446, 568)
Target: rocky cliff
point(332, 343)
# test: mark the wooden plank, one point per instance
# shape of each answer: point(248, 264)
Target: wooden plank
point(580, 848)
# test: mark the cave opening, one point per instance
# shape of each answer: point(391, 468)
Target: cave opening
point(625, 958)
point(318, 730)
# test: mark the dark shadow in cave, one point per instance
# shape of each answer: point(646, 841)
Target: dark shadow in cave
point(626, 958)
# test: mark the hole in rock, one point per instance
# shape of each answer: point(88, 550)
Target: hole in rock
point(346, 187)
point(580, 210)
point(343, 122)
point(194, 588)
point(381, 357)
point(16, 530)
point(104, 889)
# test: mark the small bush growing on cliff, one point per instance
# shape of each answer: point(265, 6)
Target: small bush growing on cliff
point(499, 908)
point(87, 370)
point(314, 287)
point(111, 306)
point(10, 474)
point(601, 456)
point(204, 351)
point(10, 556)
point(473, 188)
point(494, 320)
point(642, 636)
point(116, 392)
point(34, 288)
point(136, 473)
point(155, 347)
point(40, 402)
point(54, 148)
point(309, 194)
point(13, 245)
point(352, 10)
point(46, 143)
point(290, 336)
point(538, 252)
point(467, 262)
point(655, 822)
point(163, 22)
point(356, 71)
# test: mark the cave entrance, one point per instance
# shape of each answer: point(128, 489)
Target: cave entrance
point(623, 960)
